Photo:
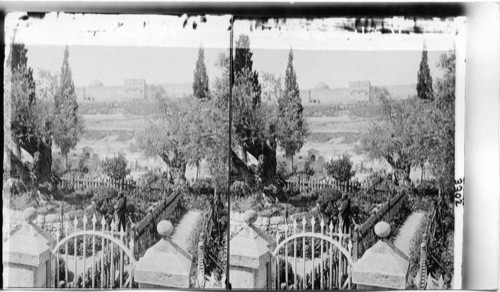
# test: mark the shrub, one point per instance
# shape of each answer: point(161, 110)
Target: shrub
point(82, 165)
point(328, 201)
point(58, 166)
point(103, 199)
point(281, 170)
point(79, 246)
point(240, 189)
point(308, 169)
point(116, 167)
point(341, 168)
point(95, 162)
point(292, 192)
point(271, 191)
point(23, 201)
point(203, 186)
point(14, 186)
point(427, 188)
point(137, 202)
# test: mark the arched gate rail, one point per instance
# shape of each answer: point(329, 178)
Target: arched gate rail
point(96, 256)
point(324, 256)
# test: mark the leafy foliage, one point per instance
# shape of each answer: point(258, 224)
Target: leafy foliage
point(68, 126)
point(31, 119)
point(292, 128)
point(254, 130)
point(243, 66)
point(398, 137)
point(185, 132)
point(341, 168)
point(115, 167)
point(424, 79)
point(308, 168)
point(415, 131)
point(82, 165)
point(328, 201)
point(240, 189)
point(442, 119)
point(200, 83)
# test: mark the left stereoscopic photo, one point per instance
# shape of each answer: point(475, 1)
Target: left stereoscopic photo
point(115, 157)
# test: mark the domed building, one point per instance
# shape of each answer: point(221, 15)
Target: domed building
point(321, 86)
point(96, 83)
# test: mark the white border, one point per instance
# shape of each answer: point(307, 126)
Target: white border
point(459, 148)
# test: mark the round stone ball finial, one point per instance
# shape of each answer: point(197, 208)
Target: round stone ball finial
point(165, 228)
point(250, 217)
point(382, 229)
point(29, 215)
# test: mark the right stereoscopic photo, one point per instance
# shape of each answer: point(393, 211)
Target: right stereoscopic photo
point(344, 160)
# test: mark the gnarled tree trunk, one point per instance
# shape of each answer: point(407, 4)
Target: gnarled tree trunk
point(268, 154)
point(41, 151)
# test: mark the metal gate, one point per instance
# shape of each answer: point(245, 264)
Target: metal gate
point(96, 256)
point(324, 257)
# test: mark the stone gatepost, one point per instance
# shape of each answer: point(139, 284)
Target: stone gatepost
point(251, 256)
point(169, 262)
point(27, 256)
point(383, 266)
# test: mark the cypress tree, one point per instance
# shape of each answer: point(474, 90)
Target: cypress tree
point(424, 82)
point(68, 126)
point(243, 64)
point(200, 83)
point(292, 129)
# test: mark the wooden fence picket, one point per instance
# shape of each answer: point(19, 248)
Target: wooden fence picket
point(315, 183)
point(88, 182)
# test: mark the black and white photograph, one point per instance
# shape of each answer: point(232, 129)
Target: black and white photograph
point(351, 139)
point(215, 151)
point(118, 151)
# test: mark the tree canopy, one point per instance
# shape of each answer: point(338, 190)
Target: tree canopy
point(341, 168)
point(31, 123)
point(185, 132)
point(442, 155)
point(414, 131)
point(424, 79)
point(291, 124)
point(395, 137)
point(68, 126)
point(115, 167)
point(243, 66)
point(200, 82)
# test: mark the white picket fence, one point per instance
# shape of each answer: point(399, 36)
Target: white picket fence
point(91, 182)
point(314, 183)
point(112, 261)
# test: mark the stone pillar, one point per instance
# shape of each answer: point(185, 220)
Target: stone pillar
point(169, 262)
point(251, 256)
point(383, 266)
point(27, 256)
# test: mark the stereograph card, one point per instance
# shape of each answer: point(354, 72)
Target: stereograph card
point(219, 151)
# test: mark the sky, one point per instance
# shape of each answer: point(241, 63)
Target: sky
point(112, 64)
point(161, 49)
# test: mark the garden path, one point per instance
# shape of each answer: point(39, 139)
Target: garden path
point(408, 230)
point(187, 231)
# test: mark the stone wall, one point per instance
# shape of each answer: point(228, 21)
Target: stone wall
point(49, 222)
point(357, 91)
point(270, 224)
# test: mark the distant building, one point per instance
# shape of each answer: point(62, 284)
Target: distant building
point(135, 88)
point(132, 89)
point(312, 154)
point(358, 91)
point(87, 151)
